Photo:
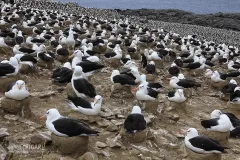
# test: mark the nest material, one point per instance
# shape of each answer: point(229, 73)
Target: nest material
point(137, 137)
point(71, 145)
point(221, 137)
point(16, 107)
point(120, 91)
point(197, 156)
point(5, 82)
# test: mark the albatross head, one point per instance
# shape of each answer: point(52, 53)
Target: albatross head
point(215, 114)
point(97, 100)
point(52, 115)
point(77, 71)
point(136, 109)
point(21, 85)
point(191, 133)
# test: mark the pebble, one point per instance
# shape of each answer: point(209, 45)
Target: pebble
point(11, 117)
point(41, 138)
point(112, 128)
point(174, 117)
point(101, 144)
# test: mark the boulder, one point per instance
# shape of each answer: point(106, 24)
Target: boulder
point(16, 107)
point(5, 82)
point(77, 145)
point(221, 137)
point(120, 91)
point(197, 156)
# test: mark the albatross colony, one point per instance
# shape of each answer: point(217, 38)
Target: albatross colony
point(82, 47)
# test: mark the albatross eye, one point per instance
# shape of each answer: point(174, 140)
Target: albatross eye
point(47, 112)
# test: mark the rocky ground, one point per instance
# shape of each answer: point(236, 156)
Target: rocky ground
point(229, 21)
point(165, 141)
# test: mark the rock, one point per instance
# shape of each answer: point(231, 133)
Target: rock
point(197, 156)
point(3, 132)
point(79, 116)
point(88, 156)
point(42, 138)
point(54, 156)
point(43, 94)
point(3, 152)
point(101, 144)
point(149, 118)
point(16, 107)
point(5, 82)
point(71, 145)
point(113, 143)
point(11, 117)
point(112, 128)
point(103, 123)
point(236, 151)
point(119, 91)
point(221, 137)
point(174, 117)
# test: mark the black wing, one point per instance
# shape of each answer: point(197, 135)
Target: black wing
point(28, 58)
point(209, 123)
point(83, 86)
point(88, 66)
point(26, 50)
point(235, 133)
point(44, 57)
point(205, 143)
point(152, 92)
point(72, 127)
point(5, 69)
point(171, 94)
point(187, 83)
point(79, 101)
point(135, 122)
point(123, 79)
point(150, 69)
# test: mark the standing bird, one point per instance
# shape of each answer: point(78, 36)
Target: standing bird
point(202, 144)
point(135, 122)
point(80, 85)
point(85, 107)
point(66, 127)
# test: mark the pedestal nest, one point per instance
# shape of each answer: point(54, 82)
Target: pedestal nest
point(120, 91)
point(61, 58)
point(221, 137)
point(71, 145)
point(47, 65)
point(218, 84)
point(114, 63)
point(26, 69)
point(15, 107)
point(69, 91)
point(175, 105)
point(151, 77)
point(159, 64)
point(137, 137)
point(233, 106)
point(151, 106)
point(5, 82)
point(191, 155)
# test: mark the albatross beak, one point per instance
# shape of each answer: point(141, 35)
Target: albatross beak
point(19, 87)
point(95, 101)
point(43, 118)
point(135, 89)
